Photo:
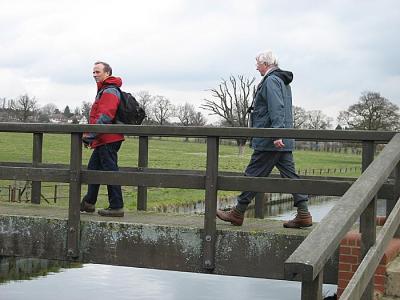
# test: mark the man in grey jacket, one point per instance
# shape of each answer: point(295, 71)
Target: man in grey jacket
point(271, 108)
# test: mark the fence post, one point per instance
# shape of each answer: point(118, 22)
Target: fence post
point(259, 206)
point(368, 217)
point(143, 161)
point(210, 203)
point(390, 203)
point(74, 196)
point(36, 160)
point(55, 193)
point(312, 290)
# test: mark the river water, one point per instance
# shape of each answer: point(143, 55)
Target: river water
point(91, 281)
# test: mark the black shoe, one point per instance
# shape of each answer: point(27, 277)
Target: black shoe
point(111, 212)
point(87, 207)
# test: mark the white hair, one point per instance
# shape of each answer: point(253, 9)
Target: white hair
point(268, 58)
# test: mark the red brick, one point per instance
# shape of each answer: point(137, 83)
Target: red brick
point(345, 275)
point(344, 242)
point(379, 280)
point(355, 251)
point(344, 267)
point(353, 238)
point(339, 292)
point(354, 268)
point(345, 250)
point(392, 250)
point(342, 283)
point(380, 270)
point(380, 288)
point(348, 259)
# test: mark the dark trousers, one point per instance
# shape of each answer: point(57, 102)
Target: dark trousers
point(105, 158)
point(261, 165)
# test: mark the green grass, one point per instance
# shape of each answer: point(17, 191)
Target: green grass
point(171, 153)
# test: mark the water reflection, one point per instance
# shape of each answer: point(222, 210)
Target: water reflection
point(120, 283)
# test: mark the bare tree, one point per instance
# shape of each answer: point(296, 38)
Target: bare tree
point(162, 110)
point(371, 112)
point(231, 102)
point(199, 119)
point(48, 109)
point(85, 109)
point(188, 116)
point(299, 117)
point(145, 100)
point(318, 120)
point(24, 107)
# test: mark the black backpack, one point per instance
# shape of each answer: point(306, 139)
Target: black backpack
point(129, 110)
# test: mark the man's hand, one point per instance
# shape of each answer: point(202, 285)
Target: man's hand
point(279, 144)
point(88, 139)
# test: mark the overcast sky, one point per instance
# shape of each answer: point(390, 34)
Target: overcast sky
point(180, 49)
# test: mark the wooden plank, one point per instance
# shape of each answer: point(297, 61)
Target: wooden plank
point(279, 185)
point(223, 132)
point(143, 161)
point(311, 256)
point(210, 203)
point(259, 206)
point(367, 267)
point(312, 290)
point(31, 174)
point(161, 180)
point(36, 159)
point(74, 196)
point(368, 217)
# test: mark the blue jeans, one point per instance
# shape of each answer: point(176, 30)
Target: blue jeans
point(105, 158)
point(261, 165)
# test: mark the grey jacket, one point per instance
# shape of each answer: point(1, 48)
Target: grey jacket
point(273, 109)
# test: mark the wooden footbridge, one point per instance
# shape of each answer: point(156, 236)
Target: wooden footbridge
point(260, 248)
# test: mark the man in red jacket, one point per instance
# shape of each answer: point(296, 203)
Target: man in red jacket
point(105, 145)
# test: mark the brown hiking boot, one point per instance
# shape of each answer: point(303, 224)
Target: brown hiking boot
point(87, 207)
point(302, 219)
point(233, 215)
point(111, 212)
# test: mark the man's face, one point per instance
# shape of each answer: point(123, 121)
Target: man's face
point(98, 73)
point(261, 67)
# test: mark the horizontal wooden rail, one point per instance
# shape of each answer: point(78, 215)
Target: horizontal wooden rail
point(222, 132)
point(310, 257)
point(187, 179)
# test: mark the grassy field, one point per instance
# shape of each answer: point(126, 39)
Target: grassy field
point(172, 153)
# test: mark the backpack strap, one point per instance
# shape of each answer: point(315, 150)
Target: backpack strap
point(100, 92)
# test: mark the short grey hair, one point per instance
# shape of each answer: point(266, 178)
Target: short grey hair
point(107, 68)
point(267, 58)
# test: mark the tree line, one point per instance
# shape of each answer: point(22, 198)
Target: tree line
point(229, 101)
point(159, 110)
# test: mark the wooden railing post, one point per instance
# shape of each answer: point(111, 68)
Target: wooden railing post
point(143, 161)
point(210, 203)
point(74, 196)
point(259, 206)
point(396, 194)
point(368, 217)
point(312, 290)
point(36, 160)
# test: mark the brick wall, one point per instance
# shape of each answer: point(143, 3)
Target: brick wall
point(349, 260)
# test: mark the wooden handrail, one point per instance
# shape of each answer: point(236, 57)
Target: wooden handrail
point(222, 132)
point(310, 257)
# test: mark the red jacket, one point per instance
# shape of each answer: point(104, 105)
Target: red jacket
point(104, 109)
